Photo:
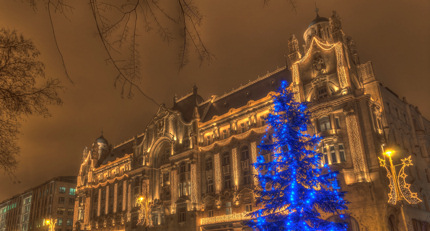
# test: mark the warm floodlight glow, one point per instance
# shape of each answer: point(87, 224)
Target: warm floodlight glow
point(47, 222)
point(141, 198)
point(389, 153)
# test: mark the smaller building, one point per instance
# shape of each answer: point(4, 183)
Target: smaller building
point(53, 199)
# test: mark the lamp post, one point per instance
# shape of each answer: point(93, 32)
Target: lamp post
point(143, 211)
point(50, 222)
point(399, 189)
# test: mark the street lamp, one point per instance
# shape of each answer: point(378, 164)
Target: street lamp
point(143, 211)
point(50, 223)
point(399, 189)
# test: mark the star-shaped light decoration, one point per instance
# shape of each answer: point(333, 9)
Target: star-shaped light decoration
point(399, 189)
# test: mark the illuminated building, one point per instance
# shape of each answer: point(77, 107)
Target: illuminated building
point(27, 211)
point(192, 163)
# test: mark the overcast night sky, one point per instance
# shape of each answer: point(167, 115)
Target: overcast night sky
point(246, 38)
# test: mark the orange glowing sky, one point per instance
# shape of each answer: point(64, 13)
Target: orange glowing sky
point(247, 39)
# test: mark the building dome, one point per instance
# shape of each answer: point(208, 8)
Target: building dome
point(318, 19)
point(101, 140)
point(319, 27)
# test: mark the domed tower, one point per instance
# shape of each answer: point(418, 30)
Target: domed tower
point(102, 145)
point(319, 27)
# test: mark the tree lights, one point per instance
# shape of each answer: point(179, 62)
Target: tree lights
point(293, 189)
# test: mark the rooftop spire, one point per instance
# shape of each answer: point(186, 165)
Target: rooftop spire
point(316, 9)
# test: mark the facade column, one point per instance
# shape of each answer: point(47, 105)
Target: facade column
point(87, 210)
point(217, 171)
point(254, 160)
point(107, 199)
point(174, 188)
point(129, 202)
point(194, 183)
point(124, 195)
point(99, 198)
point(115, 197)
point(356, 148)
point(235, 168)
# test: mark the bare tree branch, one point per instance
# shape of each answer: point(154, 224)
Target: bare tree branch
point(121, 75)
point(22, 92)
point(57, 6)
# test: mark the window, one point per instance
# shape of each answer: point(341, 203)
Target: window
point(226, 170)
point(208, 164)
point(208, 139)
point(337, 122)
point(341, 153)
point(60, 211)
point(72, 191)
point(228, 209)
point(184, 179)
point(248, 208)
point(333, 154)
point(210, 188)
point(210, 213)
point(263, 120)
point(166, 179)
point(226, 159)
point(70, 212)
point(227, 182)
point(62, 190)
point(224, 134)
point(182, 215)
point(61, 200)
point(242, 127)
point(325, 157)
point(324, 123)
point(246, 173)
point(69, 222)
point(71, 201)
point(244, 153)
point(322, 92)
point(59, 221)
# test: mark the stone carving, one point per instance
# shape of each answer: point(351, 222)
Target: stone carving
point(356, 149)
point(318, 64)
point(335, 22)
point(236, 198)
point(218, 202)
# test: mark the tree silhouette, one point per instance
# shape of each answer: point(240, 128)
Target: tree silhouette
point(24, 90)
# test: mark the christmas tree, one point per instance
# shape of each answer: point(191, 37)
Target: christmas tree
point(293, 186)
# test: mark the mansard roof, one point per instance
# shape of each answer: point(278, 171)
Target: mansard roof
point(118, 151)
point(254, 90)
point(186, 105)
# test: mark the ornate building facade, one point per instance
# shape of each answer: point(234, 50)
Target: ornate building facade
point(191, 168)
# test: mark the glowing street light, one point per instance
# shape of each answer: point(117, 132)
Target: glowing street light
point(143, 211)
point(50, 223)
point(399, 189)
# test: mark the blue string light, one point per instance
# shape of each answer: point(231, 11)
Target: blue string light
point(299, 188)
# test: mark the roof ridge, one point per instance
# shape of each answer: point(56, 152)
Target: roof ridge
point(129, 140)
point(259, 78)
